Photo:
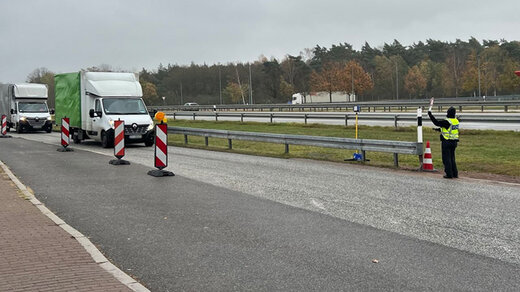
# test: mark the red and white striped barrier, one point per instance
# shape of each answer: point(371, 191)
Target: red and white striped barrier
point(4, 125)
point(119, 143)
point(65, 133)
point(161, 151)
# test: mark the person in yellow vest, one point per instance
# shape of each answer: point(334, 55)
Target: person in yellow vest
point(449, 129)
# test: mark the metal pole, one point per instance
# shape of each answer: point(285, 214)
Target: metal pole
point(250, 86)
point(396, 81)
point(181, 95)
point(478, 67)
point(219, 85)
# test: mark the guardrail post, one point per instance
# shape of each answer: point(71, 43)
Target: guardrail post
point(271, 116)
point(420, 134)
point(505, 108)
point(396, 160)
point(482, 108)
point(364, 154)
point(346, 120)
point(230, 144)
point(194, 116)
point(174, 117)
point(242, 117)
point(460, 108)
point(206, 141)
point(305, 118)
point(216, 117)
point(286, 148)
point(185, 139)
point(395, 120)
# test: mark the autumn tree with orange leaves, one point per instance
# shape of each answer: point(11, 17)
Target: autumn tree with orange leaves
point(354, 79)
point(328, 79)
point(415, 82)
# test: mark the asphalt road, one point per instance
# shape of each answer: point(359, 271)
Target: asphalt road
point(364, 121)
point(238, 222)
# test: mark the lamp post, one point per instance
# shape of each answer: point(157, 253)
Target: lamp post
point(164, 100)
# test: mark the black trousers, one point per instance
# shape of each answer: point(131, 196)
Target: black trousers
point(448, 158)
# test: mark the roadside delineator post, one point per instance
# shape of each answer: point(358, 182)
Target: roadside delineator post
point(119, 143)
point(65, 135)
point(3, 128)
point(161, 151)
point(420, 135)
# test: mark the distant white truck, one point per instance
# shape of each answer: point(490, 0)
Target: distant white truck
point(94, 100)
point(25, 106)
point(322, 97)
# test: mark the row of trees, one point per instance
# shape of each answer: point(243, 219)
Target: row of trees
point(393, 71)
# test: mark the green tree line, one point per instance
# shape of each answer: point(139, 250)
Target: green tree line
point(392, 71)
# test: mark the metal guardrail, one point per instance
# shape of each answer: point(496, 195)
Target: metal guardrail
point(486, 118)
point(369, 106)
point(395, 147)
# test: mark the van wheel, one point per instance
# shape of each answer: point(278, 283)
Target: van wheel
point(149, 142)
point(105, 140)
point(19, 129)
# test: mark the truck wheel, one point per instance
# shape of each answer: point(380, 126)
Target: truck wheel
point(75, 139)
point(106, 140)
point(49, 129)
point(19, 129)
point(149, 142)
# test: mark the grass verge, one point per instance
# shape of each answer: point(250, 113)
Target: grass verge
point(479, 151)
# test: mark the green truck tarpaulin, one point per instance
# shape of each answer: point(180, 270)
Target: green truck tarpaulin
point(68, 98)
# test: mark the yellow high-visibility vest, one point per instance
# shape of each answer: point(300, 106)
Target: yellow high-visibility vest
point(452, 133)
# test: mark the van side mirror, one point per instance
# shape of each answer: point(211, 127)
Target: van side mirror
point(13, 111)
point(51, 111)
point(91, 113)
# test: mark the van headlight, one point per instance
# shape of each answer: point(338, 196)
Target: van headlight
point(49, 118)
point(150, 127)
point(111, 123)
point(23, 119)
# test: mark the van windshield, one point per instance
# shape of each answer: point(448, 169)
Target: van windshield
point(124, 106)
point(32, 107)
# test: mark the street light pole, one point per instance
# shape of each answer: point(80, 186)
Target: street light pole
point(219, 85)
point(396, 82)
point(478, 67)
point(250, 86)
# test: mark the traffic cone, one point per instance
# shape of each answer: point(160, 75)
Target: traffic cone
point(427, 160)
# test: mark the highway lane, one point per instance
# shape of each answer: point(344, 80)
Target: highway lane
point(368, 122)
point(477, 216)
point(182, 233)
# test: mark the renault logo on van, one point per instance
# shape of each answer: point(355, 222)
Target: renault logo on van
point(134, 127)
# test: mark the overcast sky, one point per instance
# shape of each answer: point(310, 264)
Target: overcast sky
point(67, 35)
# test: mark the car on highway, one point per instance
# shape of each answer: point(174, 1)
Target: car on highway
point(191, 106)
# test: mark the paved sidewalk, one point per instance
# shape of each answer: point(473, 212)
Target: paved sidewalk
point(38, 255)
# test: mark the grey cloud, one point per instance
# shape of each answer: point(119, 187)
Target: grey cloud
point(67, 35)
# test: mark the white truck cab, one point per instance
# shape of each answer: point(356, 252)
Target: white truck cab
point(27, 107)
point(94, 100)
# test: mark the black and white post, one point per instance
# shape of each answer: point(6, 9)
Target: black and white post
point(420, 134)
